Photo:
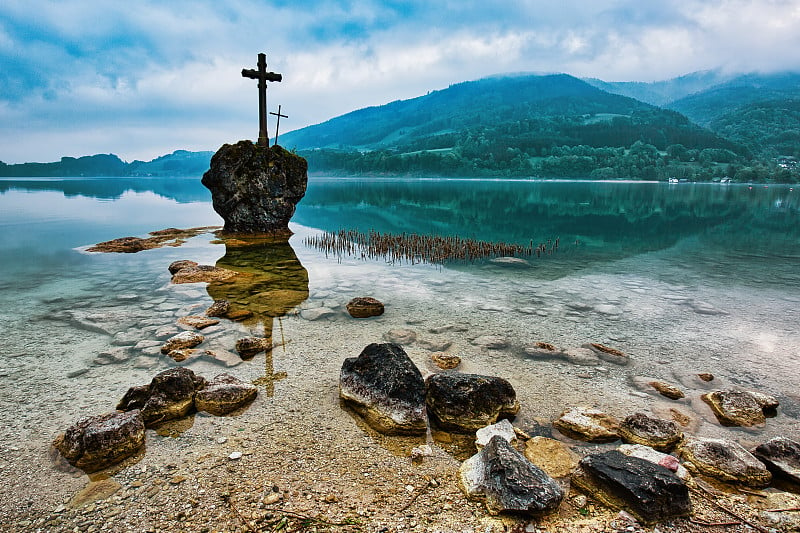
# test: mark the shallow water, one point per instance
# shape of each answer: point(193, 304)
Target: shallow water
point(685, 279)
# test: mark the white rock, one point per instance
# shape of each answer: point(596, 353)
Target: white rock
point(502, 428)
point(235, 456)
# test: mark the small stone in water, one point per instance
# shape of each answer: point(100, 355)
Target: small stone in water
point(222, 440)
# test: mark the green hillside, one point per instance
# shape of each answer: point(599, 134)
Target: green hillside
point(550, 126)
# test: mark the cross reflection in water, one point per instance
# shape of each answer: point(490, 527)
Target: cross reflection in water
point(271, 283)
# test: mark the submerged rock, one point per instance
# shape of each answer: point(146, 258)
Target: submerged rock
point(543, 350)
point(248, 347)
point(224, 394)
point(96, 442)
point(183, 340)
point(608, 354)
point(254, 188)
point(202, 274)
point(219, 308)
point(507, 482)
point(383, 386)
point(590, 425)
point(490, 342)
point(169, 395)
point(659, 434)
point(648, 491)
point(364, 307)
point(400, 336)
point(197, 322)
point(725, 460)
point(740, 408)
point(175, 266)
point(445, 361)
point(782, 457)
point(467, 402)
point(665, 389)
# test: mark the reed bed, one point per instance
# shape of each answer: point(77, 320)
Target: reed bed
point(415, 249)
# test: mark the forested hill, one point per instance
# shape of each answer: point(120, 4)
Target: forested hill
point(759, 111)
point(529, 112)
point(527, 125)
point(178, 163)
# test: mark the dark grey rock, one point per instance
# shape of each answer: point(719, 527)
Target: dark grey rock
point(169, 395)
point(657, 433)
point(255, 188)
point(782, 457)
point(385, 387)
point(648, 491)
point(96, 442)
point(508, 482)
point(465, 403)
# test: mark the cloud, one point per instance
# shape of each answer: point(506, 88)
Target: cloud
point(91, 76)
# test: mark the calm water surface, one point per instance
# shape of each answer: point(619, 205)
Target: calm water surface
point(685, 278)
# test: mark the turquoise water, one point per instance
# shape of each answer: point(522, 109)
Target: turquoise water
point(685, 278)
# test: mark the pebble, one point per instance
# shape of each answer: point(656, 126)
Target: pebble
point(222, 440)
point(235, 456)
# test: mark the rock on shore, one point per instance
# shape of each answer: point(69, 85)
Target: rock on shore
point(465, 403)
point(508, 482)
point(96, 442)
point(385, 387)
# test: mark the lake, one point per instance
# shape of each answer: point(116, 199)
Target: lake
point(684, 278)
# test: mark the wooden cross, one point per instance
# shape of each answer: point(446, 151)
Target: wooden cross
point(263, 77)
point(278, 125)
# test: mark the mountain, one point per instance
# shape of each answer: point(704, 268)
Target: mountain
point(178, 163)
point(521, 125)
point(709, 104)
point(661, 93)
point(527, 112)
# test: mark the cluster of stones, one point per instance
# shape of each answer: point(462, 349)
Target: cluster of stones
point(97, 442)
point(641, 476)
point(182, 346)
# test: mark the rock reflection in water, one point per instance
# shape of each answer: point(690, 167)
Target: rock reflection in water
point(272, 282)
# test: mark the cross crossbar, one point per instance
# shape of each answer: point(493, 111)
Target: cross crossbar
point(263, 77)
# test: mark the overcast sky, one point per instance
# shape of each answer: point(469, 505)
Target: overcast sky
point(143, 78)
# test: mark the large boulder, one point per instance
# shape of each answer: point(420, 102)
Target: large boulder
point(169, 395)
point(508, 482)
point(657, 433)
point(647, 490)
point(255, 188)
point(464, 403)
point(725, 460)
point(740, 408)
point(96, 442)
point(385, 387)
point(782, 457)
point(224, 394)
